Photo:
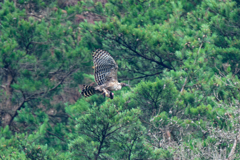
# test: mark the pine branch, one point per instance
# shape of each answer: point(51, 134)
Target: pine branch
point(56, 136)
point(44, 92)
point(186, 79)
point(143, 56)
point(4, 87)
point(38, 94)
point(130, 151)
point(146, 75)
point(230, 156)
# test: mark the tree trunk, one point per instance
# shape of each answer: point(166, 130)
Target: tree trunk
point(7, 103)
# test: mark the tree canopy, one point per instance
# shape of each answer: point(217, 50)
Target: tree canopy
point(180, 57)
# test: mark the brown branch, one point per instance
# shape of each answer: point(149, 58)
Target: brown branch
point(184, 84)
point(4, 87)
point(147, 75)
point(139, 54)
point(29, 15)
point(150, 59)
point(38, 94)
point(16, 113)
point(230, 157)
point(198, 53)
point(56, 136)
point(186, 79)
point(45, 43)
point(130, 151)
point(116, 130)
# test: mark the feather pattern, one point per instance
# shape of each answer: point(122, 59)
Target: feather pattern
point(88, 91)
point(105, 73)
point(105, 67)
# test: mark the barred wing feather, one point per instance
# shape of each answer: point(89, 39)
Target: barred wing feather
point(105, 67)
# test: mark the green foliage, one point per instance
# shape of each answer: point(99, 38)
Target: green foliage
point(22, 146)
point(38, 58)
point(180, 57)
point(106, 131)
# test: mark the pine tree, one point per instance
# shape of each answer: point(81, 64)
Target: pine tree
point(181, 58)
point(38, 58)
point(105, 132)
point(191, 45)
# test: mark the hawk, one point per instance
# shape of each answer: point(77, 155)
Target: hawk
point(105, 73)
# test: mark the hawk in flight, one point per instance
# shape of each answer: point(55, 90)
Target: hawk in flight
point(105, 73)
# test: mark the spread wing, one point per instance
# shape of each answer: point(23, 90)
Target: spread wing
point(105, 67)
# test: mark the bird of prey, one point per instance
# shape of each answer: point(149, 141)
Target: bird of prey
point(105, 73)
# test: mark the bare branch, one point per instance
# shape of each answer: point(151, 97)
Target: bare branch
point(56, 136)
point(4, 87)
point(230, 156)
point(147, 75)
point(186, 79)
point(38, 94)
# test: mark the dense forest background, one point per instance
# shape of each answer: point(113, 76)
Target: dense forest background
point(180, 57)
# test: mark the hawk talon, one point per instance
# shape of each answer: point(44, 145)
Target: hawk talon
point(103, 95)
point(111, 95)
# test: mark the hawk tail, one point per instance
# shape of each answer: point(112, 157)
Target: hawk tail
point(88, 91)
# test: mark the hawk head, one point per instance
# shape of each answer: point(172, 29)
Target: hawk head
point(125, 85)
